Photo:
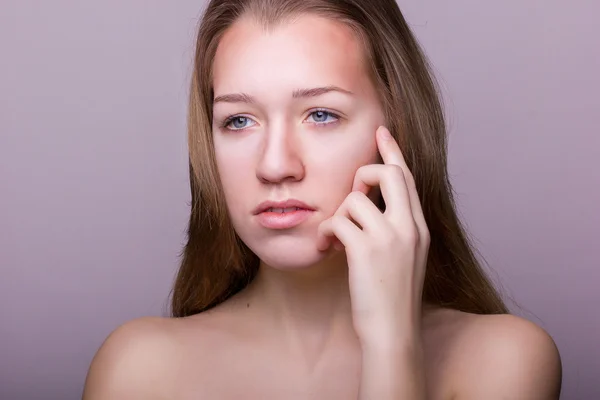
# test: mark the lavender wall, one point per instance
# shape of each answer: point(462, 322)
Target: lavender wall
point(93, 171)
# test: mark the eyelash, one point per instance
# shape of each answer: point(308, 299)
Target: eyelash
point(229, 120)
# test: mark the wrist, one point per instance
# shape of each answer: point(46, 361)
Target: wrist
point(396, 346)
point(390, 337)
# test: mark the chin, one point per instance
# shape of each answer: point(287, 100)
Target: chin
point(287, 253)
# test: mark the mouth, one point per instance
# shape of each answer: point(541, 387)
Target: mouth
point(283, 210)
point(283, 215)
point(282, 207)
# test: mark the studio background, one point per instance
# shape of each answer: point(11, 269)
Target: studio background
point(93, 168)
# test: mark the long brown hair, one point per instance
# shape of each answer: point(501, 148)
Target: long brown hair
point(216, 264)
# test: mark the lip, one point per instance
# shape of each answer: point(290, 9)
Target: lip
point(265, 205)
point(287, 220)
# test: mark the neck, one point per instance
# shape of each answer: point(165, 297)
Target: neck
point(310, 307)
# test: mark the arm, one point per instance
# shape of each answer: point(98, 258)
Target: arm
point(393, 371)
point(387, 256)
point(496, 357)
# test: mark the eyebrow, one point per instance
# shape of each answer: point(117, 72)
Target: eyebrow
point(297, 94)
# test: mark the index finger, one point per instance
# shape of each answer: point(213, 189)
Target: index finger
point(389, 149)
point(392, 154)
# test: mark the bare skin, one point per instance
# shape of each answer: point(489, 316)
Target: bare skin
point(294, 332)
point(228, 353)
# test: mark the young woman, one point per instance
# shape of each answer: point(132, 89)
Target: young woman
point(325, 259)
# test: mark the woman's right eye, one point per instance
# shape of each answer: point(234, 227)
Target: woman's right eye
point(237, 123)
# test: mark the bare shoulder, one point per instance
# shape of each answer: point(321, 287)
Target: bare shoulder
point(134, 362)
point(500, 356)
point(160, 358)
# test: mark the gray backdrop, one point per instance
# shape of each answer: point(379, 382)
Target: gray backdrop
point(93, 168)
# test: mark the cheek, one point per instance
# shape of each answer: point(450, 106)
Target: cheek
point(337, 165)
point(233, 168)
point(350, 153)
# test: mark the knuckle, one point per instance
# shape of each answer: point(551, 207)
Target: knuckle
point(363, 169)
point(396, 172)
point(337, 221)
point(410, 236)
point(356, 198)
point(346, 203)
point(387, 238)
point(426, 236)
point(390, 240)
point(410, 179)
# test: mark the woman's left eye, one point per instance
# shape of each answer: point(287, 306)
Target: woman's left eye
point(322, 117)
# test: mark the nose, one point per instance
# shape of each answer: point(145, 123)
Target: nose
point(280, 158)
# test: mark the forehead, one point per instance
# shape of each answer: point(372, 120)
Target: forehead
point(306, 51)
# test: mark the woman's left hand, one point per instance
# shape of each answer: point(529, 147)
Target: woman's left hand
point(387, 254)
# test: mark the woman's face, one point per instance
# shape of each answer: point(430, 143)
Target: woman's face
point(294, 117)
